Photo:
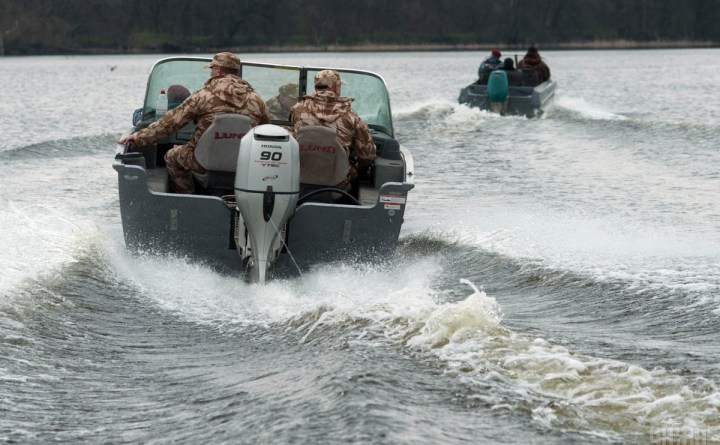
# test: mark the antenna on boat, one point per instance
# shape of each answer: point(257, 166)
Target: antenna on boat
point(287, 248)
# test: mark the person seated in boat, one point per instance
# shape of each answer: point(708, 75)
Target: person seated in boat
point(533, 60)
point(176, 94)
point(223, 92)
point(325, 106)
point(490, 63)
point(515, 77)
point(280, 105)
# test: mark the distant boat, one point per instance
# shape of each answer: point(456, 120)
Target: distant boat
point(517, 92)
point(258, 210)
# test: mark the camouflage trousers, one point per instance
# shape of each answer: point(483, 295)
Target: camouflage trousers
point(180, 161)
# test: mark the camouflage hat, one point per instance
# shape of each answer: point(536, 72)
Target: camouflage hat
point(289, 89)
point(328, 78)
point(225, 60)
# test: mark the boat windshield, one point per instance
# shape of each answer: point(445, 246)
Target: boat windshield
point(371, 100)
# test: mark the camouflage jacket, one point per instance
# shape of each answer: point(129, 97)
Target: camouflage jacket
point(277, 110)
point(324, 108)
point(222, 94)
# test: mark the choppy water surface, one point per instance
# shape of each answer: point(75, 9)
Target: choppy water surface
point(558, 279)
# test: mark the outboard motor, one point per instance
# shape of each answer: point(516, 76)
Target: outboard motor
point(267, 185)
point(498, 91)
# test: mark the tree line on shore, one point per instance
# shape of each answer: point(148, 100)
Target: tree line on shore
point(127, 26)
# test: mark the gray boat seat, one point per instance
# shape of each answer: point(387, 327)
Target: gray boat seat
point(217, 150)
point(530, 77)
point(323, 160)
point(485, 76)
point(515, 78)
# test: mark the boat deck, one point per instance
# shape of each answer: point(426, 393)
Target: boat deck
point(367, 195)
point(157, 179)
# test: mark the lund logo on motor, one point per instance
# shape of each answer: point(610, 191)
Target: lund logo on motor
point(323, 148)
point(224, 135)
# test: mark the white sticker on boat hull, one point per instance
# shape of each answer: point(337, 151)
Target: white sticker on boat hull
point(393, 199)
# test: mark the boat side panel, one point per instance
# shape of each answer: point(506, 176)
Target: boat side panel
point(197, 227)
point(324, 232)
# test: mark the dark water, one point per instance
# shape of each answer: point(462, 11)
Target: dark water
point(558, 279)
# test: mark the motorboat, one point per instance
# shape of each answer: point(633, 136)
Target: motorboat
point(516, 92)
point(262, 210)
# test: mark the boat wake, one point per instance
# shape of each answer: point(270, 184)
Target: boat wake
point(75, 147)
point(39, 241)
point(423, 112)
point(401, 303)
point(409, 304)
point(557, 387)
point(586, 110)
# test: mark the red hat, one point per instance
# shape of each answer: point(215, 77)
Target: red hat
point(496, 52)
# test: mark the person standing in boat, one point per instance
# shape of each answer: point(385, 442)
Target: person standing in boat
point(224, 92)
point(326, 107)
point(490, 63)
point(533, 60)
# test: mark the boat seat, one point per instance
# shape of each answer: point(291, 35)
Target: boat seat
point(515, 78)
point(530, 77)
point(217, 150)
point(323, 160)
point(485, 76)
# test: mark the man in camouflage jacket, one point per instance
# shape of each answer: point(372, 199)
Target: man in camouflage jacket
point(280, 105)
point(224, 92)
point(327, 108)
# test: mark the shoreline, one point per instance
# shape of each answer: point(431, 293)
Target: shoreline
point(594, 45)
point(373, 47)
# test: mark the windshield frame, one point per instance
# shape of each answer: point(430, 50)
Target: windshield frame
point(368, 89)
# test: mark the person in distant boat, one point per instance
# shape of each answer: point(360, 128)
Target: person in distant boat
point(490, 63)
point(325, 106)
point(508, 64)
point(281, 104)
point(533, 60)
point(515, 77)
point(223, 92)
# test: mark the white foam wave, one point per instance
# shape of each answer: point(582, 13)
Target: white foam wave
point(562, 388)
point(558, 386)
point(611, 248)
point(424, 108)
point(37, 240)
point(201, 295)
point(587, 110)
